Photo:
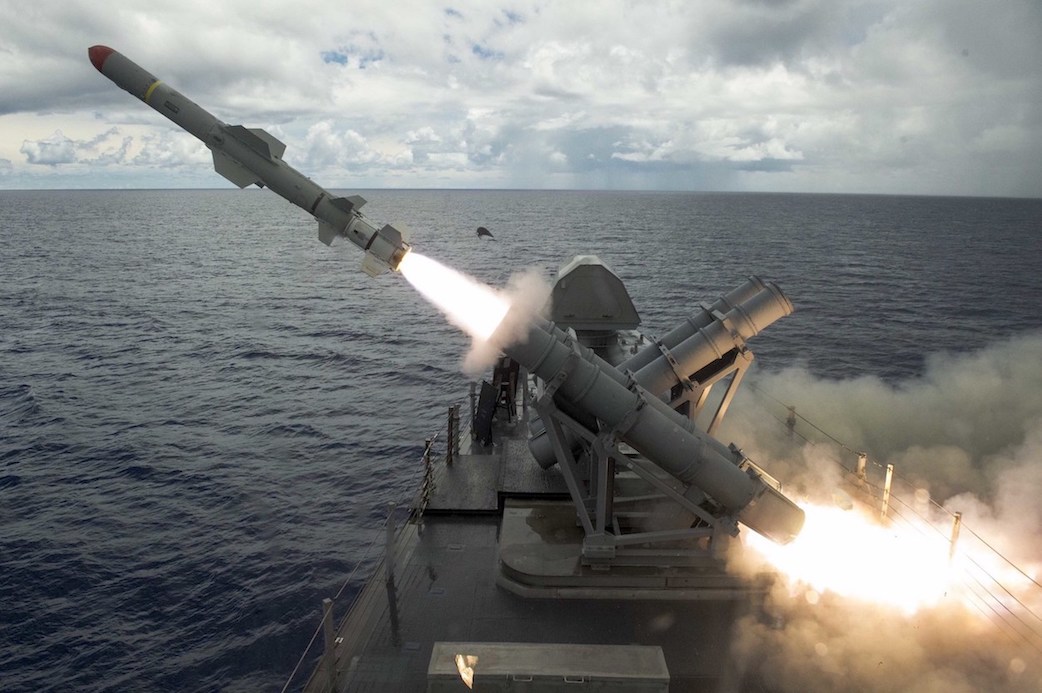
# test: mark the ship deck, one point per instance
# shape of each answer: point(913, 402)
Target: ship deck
point(446, 566)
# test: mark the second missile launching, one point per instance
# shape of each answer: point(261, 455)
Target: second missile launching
point(251, 156)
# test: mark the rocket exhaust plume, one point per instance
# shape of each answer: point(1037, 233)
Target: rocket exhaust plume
point(475, 307)
point(846, 553)
point(469, 304)
point(969, 430)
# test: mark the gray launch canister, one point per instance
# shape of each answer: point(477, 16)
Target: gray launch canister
point(653, 429)
point(702, 338)
point(706, 337)
point(693, 324)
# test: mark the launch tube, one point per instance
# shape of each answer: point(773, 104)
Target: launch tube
point(657, 432)
point(715, 338)
point(692, 324)
point(695, 343)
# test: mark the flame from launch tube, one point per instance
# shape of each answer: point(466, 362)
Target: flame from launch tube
point(469, 304)
point(904, 565)
point(847, 553)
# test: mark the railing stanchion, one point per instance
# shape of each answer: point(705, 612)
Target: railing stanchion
point(956, 526)
point(329, 655)
point(886, 491)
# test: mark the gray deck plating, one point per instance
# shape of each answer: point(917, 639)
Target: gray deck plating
point(478, 482)
point(445, 590)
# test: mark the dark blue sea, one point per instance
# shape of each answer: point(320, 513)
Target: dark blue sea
point(205, 412)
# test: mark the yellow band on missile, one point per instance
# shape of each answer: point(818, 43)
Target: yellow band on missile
point(151, 88)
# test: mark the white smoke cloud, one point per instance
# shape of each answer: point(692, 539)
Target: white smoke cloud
point(954, 428)
point(1008, 510)
point(837, 645)
point(528, 293)
point(968, 432)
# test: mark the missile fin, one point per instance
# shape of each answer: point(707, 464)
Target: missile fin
point(233, 170)
point(326, 233)
point(373, 265)
point(258, 140)
point(274, 145)
point(348, 204)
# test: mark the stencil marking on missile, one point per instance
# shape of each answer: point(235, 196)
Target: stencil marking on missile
point(251, 156)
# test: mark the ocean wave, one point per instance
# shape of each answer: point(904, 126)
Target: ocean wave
point(200, 439)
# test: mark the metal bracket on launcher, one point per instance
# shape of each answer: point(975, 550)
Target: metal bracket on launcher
point(736, 337)
point(631, 416)
point(606, 444)
point(604, 451)
point(599, 542)
point(600, 546)
point(646, 471)
point(551, 386)
point(552, 418)
point(673, 364)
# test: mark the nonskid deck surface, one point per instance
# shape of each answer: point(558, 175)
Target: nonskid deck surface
point(479, 481)
point(446, 571)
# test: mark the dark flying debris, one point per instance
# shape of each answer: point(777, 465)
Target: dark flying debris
point(482, 231)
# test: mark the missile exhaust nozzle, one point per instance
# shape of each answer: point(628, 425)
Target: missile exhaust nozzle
point(385, 251)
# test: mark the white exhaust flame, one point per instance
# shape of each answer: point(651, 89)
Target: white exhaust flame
point(844, 552)
point(469, 304)
point(476, 308)
point(966, 436)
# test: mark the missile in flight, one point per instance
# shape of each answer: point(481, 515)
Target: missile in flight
point(251, 156)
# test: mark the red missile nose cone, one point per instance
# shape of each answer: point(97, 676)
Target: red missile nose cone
point(98, 54)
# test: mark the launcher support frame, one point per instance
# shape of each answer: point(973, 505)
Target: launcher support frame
point(605, 542)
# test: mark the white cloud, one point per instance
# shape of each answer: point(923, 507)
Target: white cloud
point(871, 94)
point(56, 149)
point(326, 146)
point(166, 148)
point(59, 149)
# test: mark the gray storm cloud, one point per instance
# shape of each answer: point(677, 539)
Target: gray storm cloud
point(938, 97)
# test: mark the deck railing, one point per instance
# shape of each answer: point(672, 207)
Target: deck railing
point(902, 501)
point(327, 671)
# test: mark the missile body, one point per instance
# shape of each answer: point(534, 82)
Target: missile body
point(248, 156)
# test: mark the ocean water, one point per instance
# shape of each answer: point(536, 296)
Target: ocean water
point(204, 412)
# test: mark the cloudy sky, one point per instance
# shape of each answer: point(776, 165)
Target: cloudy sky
point(874, 96)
